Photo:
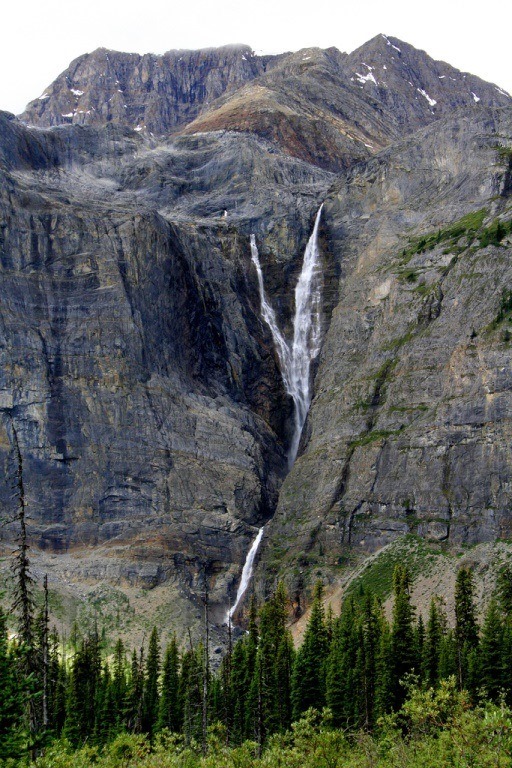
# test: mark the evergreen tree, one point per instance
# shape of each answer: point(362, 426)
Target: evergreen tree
point(23, 608)
point(283, 671)
point(57, 685)
point(371, 626)
point(81, 698)
point(504, 592)
point(119, 686)
point(11, 702)
point(269, 694)
point(436, 630)
point(402, 635)
point(308, 679)
point(244, 680)
point(419, 647)
point(134, 693)
point(342, 666)
point(223, 698)
point(151, 697)
point(105, 726)
point(168, 713)
point(448, 656)
point(191, 693)
point(491, 657)
point(466, 627)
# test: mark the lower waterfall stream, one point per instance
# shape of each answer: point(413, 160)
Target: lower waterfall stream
point(295, 358)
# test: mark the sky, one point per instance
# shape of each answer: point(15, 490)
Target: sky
point(41, 37)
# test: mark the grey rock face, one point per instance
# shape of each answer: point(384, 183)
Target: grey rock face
point(321, 106)
point(413, 87)
point(410, 426)
point(135, 367)
point(157, 93)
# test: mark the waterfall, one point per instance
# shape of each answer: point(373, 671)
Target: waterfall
point(295, 359)
point(246, 574)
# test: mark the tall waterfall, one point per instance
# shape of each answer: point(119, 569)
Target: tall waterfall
point(246, 574)
point(295, 359)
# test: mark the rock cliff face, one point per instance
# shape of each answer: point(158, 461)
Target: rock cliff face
point(410, 427)
point(137, 375)
point(321, 106)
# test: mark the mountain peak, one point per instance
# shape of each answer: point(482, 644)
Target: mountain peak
point(323, 106)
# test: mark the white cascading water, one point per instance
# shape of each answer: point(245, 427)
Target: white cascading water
point(246, 574)
point(295, 360)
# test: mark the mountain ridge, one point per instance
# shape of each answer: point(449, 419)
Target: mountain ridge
point(143, 383)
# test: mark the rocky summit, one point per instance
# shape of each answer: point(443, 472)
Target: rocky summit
point(142, 385)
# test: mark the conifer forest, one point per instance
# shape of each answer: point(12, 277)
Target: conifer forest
point(363, 689)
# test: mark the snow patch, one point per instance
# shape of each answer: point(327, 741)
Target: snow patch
point(76, 92)
point(365, 78)
point(441, 77)
point(44, 96)
point(391, 44)
point(475, 97)
point(432, 102)
point(69, 114)
point(306, 58)
point(500, 90)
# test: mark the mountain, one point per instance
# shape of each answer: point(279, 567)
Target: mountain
point(139, 380)
point(321, 106)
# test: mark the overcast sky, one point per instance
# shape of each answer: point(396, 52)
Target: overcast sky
point(41, 37)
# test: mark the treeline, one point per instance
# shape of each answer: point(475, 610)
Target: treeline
point(358, 664)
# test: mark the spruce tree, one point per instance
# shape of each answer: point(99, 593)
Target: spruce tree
point(81, 699)
point(105, 726)
point(191, 693)
point(435, 631)
point(168, 713)
point(448, 656)
point(504, 592)
point(342, 666)
point(269, 694)
point(371, 632)
point(23, 608)
point(57, 684)
point(466, 627)
point(245, 680)
point(119, 685)
point(309, 670)
point(134, 693)
point(11, 701)
point(151, 696)
point(491, 656)
point(402, 635)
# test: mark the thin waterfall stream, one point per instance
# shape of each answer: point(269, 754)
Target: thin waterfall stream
point(246, 574)
point(295, 358)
